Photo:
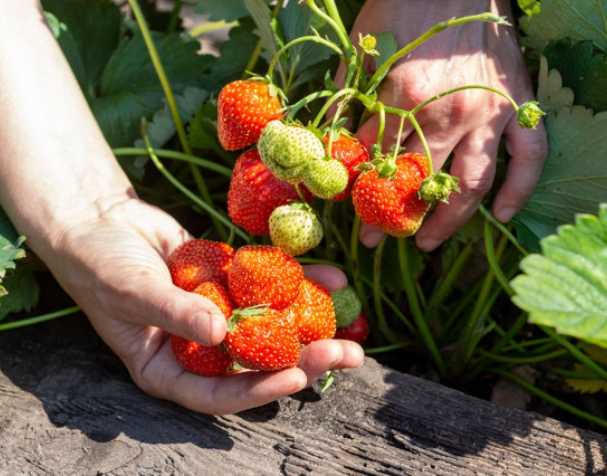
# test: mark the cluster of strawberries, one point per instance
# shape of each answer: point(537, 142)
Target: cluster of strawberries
point(272, 182)
point(268, 318)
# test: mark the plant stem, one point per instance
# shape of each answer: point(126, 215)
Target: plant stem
point(553, 400)
point(518, 325)
point(174, 19)
point(171, 103)
point(183, 189)
point(327, 105)
point(445, 285)
point(492, 259)
point(379, 310)
point(523, 360)
point(392, 305)
point(210, 26)
point(303, 102)
point(387, 348)
point(38, 319)
point(383, 70)
point(416, 311)
point(422, 138)
point(500, 226)
point(297, 41)
point(381, 125)
point(171, 154)
point(334, 21)
point(577, 353)
point(355, 265)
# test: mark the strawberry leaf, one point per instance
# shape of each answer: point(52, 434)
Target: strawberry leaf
point(530, 7)
point(575, 19)
point(10, 248)
point(565, 287)
point(222, 10)
point(23, 292)
point(386, 45)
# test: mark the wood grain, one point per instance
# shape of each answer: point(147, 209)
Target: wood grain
point(67, 407)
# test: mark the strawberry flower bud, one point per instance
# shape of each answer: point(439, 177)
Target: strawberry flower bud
point(326, 178)
point(368, 43)
point(438, 187)
point(529, 114)
point(286, 150)
point(295, 228)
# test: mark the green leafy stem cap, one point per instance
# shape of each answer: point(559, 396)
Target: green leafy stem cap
point(438, 187)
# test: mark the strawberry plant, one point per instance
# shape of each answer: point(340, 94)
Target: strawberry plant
point(257, 146)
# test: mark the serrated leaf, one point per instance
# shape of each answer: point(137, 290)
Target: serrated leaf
point(566, 286)
point(227, 10)
point(386, 45)
point(583, 69)
point(130, 89)
point(10, 245)
point(550, 91)
point(23, 292)
point(262, 16)
point(202, 133)
point(530, 7)
point(586, 385)
point(576, 19)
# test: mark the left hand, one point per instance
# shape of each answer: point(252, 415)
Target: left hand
point(468, 124)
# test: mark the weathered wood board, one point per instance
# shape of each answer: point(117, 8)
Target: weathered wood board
point(67, 407)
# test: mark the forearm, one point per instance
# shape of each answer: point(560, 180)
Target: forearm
point(55, 167)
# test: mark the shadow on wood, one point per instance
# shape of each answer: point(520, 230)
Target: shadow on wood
point(67, 406)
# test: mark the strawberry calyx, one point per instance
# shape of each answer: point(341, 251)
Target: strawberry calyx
point(438, 187)
point(529, 114)
point(273, 89)
point(241, 314)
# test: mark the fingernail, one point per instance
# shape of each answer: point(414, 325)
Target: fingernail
point(428, 244)
point(214, 327)
point(505, 214)
point(371, 238)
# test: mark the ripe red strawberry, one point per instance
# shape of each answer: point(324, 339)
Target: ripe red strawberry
point(264, 275)
point(392, 202)
point(199, 359)
point(254, 194)
point(262, 339)
point(350, 152)
point(244, 108)
point(313, 313)
point(358, 331)
point(197, 261)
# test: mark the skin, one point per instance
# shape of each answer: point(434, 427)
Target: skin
point(62, 188)
point(468, 124)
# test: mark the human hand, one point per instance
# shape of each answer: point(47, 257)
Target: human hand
point(114, 268)
point(469, 123)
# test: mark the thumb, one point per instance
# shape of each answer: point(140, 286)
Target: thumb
point(159, 303)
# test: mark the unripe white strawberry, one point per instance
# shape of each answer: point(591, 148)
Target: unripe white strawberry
point(295, 228)
point(287, 150)
point(326, 178)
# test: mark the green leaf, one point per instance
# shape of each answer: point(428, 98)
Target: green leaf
point(588, 382)
point(91, 34)
point(566, 286)
point(583, 69)
point(23, 292)
point(227, 10)
point(10, 247)
point(262, 16)
point(550, 91)
point(530, 7)
point(576, 19)
point(130, 89)
point(386, 45)
point(203, 129)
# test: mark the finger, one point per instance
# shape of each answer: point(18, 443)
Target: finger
point(323, 355)
point(441, 142)
point(164, 378)
point(370, 235)
point(155, 302)
point(474, 164)
point(528, 149)
point(330, 277)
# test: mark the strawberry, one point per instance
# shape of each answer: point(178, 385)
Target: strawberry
point(350, 152)
point(254, 193)
point(325, 178)
point(199, 359)
point(243, 110)
point(358, 331)
point(347, 306)
point(295, 228)
point(262, 339)
point(288, 149)
point(396, 194)
point(264, 275)
point(197, 261)
point(313, 313)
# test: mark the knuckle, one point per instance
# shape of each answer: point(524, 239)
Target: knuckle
point(476, 187)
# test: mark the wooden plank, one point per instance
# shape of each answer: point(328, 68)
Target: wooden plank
point(68, 407)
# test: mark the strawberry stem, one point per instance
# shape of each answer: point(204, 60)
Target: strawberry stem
point(379, 309)
point(333, 19)
point(38, 319)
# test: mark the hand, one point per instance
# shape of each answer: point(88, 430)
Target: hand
point(470, 123)
point(114, 268)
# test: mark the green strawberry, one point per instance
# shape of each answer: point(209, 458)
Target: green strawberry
point(347, 306)
point(529, 114)
point(326, 178)
point(295, 228)
point(286, 150)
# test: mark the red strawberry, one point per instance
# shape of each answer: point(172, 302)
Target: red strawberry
point(358, 331)
point(199, 359)
point(391, 201)
point(243, 109)
point(350, 152)
point(313, 313)
point(254, 194)
point(264, 275)
point(262, 339)
point(197, 261)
